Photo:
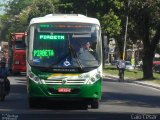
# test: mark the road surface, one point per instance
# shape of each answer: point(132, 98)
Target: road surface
point(119, 99)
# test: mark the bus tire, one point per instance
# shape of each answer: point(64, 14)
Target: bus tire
point(32, 102)
point(2, 98)
point(95, 104)
point(2, 92)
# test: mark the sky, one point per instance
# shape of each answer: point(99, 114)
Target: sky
point(2, 8)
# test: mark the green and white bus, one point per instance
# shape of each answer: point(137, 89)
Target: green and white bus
point(59, 65)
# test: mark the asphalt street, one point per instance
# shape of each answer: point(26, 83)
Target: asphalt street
point(118, 99)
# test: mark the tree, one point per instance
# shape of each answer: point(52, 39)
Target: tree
point(16, 6)
point(146, 18)
point(108, 12)
point(40, 8)
point(111, 24)
point(10, 21)
point(4, 26)
point(20, 12)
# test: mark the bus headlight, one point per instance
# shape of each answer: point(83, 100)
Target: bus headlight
point(93, 79)
point(98, 76)
point(36, 79)
point(33, 77)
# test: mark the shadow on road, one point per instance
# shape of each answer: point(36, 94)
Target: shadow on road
point(60, 105)
point(111, 80)
point(70, 116)
point(18, 100)
point(131, 99)
point(128, 99)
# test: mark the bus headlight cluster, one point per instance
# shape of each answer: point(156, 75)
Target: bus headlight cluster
point(33, 77)
point(91, 77)
point(94, 78)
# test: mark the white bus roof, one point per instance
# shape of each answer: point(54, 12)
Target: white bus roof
point(65, 18)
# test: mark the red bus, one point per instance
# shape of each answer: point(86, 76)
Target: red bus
point(17, 53)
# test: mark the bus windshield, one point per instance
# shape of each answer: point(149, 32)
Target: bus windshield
point(64, 45)
point(20, 45)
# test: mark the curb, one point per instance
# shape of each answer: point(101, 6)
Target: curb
point(135, 82)
point(146, 84)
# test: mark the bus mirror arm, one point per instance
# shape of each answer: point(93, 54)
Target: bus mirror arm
point(26, 42)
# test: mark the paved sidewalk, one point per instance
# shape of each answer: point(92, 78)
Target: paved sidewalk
point(140, 82)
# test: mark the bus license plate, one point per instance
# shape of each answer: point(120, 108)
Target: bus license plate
point(64, 90)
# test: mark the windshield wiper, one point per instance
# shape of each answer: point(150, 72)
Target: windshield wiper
point(74, 54)
point(59, 61)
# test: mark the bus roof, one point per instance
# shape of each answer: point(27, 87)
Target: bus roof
point(64, 18)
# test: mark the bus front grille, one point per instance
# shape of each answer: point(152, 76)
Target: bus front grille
point(64, 81)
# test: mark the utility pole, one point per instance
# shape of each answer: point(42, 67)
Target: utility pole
point(125, 36)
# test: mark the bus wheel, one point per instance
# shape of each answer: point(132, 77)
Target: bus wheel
point(2, 91)
point(95, 104)
point(2, 97)
point(32, 102)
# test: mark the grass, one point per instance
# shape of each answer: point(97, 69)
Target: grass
point(132, 74)
point(157, 81)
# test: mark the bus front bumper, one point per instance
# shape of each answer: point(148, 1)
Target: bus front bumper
point(93, 91)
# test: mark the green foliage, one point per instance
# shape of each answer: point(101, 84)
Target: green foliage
point(131, 74)
point(111, 24)
point(10, 21)
point(20, 12)
point(16, 6)
point(140, 10)
point(106, 11)
point(144, 18)
point(118, 4)
point(40, 8)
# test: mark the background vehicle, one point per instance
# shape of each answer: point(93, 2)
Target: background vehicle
point(156, 62)
point(129, 66)
point(156, 66)
point(17, 53)
point(114, 62)
point(55, 67)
